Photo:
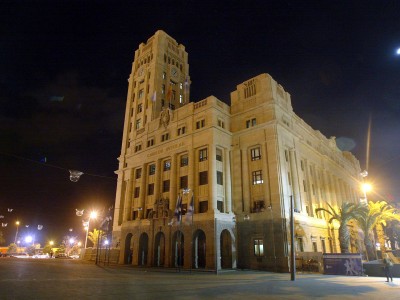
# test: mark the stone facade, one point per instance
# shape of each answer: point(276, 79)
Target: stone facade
point(240, 163)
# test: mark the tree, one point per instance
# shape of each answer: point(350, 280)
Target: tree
point(346, 212)
point(12, 248)
point(94, 236)
point(372, 216)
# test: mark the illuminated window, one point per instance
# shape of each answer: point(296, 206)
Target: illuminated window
point(218, 155)
point(138, 123)
point(257, 177)
point(152, 169)
point(184, 160)
point(167, 165)
point(203, 154)
point(255, 153)
point(141, 93)
point(258, 247)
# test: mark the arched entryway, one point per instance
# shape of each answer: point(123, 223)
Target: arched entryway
point(159, 249)
point(178, 242)
point(199, 250)
point(143, 249)
point(226, 249)
point(128, 253)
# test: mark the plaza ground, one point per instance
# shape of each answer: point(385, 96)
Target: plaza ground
point(75, 279)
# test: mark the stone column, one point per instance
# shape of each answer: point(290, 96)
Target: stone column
point(212, 184)
point(143, 190)
point(227, 181)
point(245, 182)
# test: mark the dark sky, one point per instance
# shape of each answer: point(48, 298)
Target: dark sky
point(337, 59)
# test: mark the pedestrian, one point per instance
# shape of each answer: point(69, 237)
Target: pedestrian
point(387, 267)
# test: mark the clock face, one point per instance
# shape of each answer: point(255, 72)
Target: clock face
point(174, 72)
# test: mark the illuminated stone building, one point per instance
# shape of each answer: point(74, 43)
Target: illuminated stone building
point(240, 163)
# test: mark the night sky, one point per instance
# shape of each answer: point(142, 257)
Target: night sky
point(63, 82)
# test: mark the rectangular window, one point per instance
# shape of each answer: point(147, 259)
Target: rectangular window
point(220, 206)
point(181, 130)
point(257, 177)
point(304, 186)
point(259, 206)
point(138, 123)
point(183, 182)
point(150, 142)
point(255, 153)
point(251, 123)
point(258, 247)
point(138, 173)
point(138, 147)
point(150, 189)
point(221, 123)
point(163, 89)
point(165, 137)
point(140, 107)
point(137, 192)
point(299, 244)
point(141, 93)
point(203, 154)
point(184, 160)
point(314, 246)
point(220, 177)
point(200, 124)
point(218, 155)
point(167, 165)
point(323, 246)
point(152, 169)
point(203, 178)
point(203, 206)
point(166, 186)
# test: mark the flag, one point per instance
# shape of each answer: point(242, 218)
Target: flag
point(154, 97)
point(190, 210)
point(178, 209)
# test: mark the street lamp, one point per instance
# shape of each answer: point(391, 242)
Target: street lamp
point(16, 233)
point(365, 187)
point(93, 215)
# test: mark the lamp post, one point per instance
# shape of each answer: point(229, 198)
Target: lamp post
point(365, 187)
point(16, 233)
point(93, 215)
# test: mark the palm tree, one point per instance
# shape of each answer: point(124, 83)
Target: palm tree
point(346, 212)
point(94, 236)
point(374, 215)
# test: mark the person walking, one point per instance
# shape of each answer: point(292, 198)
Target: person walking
point(387, 267)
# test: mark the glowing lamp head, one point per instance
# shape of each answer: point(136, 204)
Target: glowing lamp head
point(71, 240)
point(51, 243)
point(17, 223)
point(366, 187)
point(28, 239)
point(93, 215)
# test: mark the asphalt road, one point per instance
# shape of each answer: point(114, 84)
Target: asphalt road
point(74, 279)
